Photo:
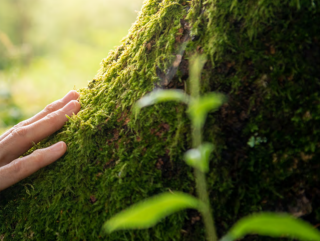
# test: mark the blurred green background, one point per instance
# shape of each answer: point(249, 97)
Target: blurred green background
point(48, 47)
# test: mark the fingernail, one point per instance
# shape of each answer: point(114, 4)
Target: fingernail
point(71, 94)
point(72, 106)
point(58, 146)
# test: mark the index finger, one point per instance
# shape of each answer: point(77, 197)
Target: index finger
point(56, 105)
point(22, 139)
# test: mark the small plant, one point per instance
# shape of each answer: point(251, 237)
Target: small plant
point(150, 211)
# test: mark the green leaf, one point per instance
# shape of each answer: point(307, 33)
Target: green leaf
point(273, 225)
point(199, 108)
point(251, 141)
point(150, 211)
point(158, 96)
point(199, 157)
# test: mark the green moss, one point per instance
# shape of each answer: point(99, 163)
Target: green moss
point(263, 54)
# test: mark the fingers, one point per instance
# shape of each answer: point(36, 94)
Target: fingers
point(72, 95)
point(25, 166)
point(56, 105)
point(21, 139)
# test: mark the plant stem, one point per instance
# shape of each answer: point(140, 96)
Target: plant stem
point(201, 184)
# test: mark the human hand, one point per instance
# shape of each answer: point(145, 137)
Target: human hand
point(21, 137)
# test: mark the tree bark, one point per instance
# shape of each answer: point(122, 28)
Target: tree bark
point(264, 55)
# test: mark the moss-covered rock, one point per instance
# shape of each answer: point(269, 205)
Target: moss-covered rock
point(263, 54)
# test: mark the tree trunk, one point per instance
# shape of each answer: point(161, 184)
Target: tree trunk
point(264, 55)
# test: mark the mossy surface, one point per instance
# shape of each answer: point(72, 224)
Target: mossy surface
point(264, 55)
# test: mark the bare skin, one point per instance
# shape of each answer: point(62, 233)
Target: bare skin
point(21, 137)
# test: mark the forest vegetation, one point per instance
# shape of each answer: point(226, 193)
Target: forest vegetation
point(262, 55)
